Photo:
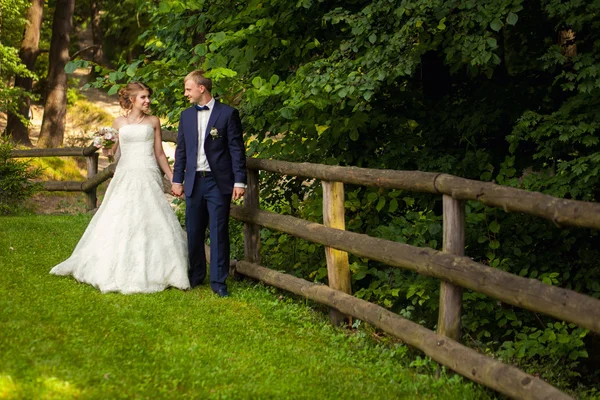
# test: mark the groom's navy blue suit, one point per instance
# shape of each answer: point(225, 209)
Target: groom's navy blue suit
point(209, 194)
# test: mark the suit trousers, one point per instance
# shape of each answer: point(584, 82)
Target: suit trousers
point(208, 207)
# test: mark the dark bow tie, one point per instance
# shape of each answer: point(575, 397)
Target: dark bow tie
point(200, 108)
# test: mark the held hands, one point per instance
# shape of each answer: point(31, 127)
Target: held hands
point(177, 189)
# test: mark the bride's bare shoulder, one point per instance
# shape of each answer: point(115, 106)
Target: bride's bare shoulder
point(153, 119)
point(119, 122)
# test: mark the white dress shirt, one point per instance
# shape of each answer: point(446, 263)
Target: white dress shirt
point(203, 117)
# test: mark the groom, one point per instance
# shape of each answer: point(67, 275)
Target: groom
point(210, 160)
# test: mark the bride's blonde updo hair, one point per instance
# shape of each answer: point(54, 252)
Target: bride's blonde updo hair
point(127, 93)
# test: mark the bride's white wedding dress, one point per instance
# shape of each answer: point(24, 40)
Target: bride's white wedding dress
point(134, 243)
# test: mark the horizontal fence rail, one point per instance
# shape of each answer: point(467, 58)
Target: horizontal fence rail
point(58, 152)
point(559, 211)
point(93, 177)
point(485, 370)
point(522, 292)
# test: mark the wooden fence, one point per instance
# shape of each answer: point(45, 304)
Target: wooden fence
point(449, 265)
point(93, 177)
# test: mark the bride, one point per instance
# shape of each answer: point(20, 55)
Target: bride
point(134, 243)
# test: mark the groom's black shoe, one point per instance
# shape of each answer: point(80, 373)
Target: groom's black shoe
point(222, 292)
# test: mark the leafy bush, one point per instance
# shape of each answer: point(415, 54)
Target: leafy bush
point(16, 179)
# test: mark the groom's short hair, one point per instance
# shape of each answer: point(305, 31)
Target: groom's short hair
point(199, 79)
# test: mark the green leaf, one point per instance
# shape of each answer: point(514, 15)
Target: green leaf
point(354, 136)
point(373, 38)
point(321, 128)
point(412, 124)
point(494, 244)
point(494, 227)
point(512, 18)
point(492, 42)
point(132, 69)
point(201, 49)
point(257, 82)
point(496, 25)
point(380, 203)
point(547, 280)
point(274, 79)
point(114, 89)
point(393, 205)
point(73, 65)
point(287, 113)
point(442, 24)
point(164, 7)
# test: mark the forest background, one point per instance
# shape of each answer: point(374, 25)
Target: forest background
point(495, 90)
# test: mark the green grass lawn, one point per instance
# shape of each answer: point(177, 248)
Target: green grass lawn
point(60, 339)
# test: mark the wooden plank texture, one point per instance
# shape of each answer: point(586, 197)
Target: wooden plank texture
point(338, 269)
point(252, 231)
point(454, 243)
point(559, 211)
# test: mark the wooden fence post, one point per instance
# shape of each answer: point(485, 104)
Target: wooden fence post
point(252, 231)
point(92, 170)
point(454, 242)
point(338, 270)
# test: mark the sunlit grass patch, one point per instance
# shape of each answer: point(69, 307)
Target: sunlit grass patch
point(60, 168)
point(9, 389)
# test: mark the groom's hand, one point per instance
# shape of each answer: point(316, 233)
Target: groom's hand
point(177, 189)
point(238, 193)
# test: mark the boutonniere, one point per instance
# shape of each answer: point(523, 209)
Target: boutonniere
point(214, 133)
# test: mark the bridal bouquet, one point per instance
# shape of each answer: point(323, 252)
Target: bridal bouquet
point(105, 137)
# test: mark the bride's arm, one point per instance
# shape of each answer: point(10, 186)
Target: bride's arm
point(159, 153)
point(114, 150)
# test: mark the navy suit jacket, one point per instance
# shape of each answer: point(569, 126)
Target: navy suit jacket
point(225, 153)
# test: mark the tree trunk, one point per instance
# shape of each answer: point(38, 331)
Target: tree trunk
point(15, 128)
point(55, 109)
point(97, 34)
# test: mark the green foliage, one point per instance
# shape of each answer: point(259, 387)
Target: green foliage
point(557, 344)
point(12, 22)
point(10, 65)
point(16, 180)
point(73, 96)
point(531, 342)
point(12, 25)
